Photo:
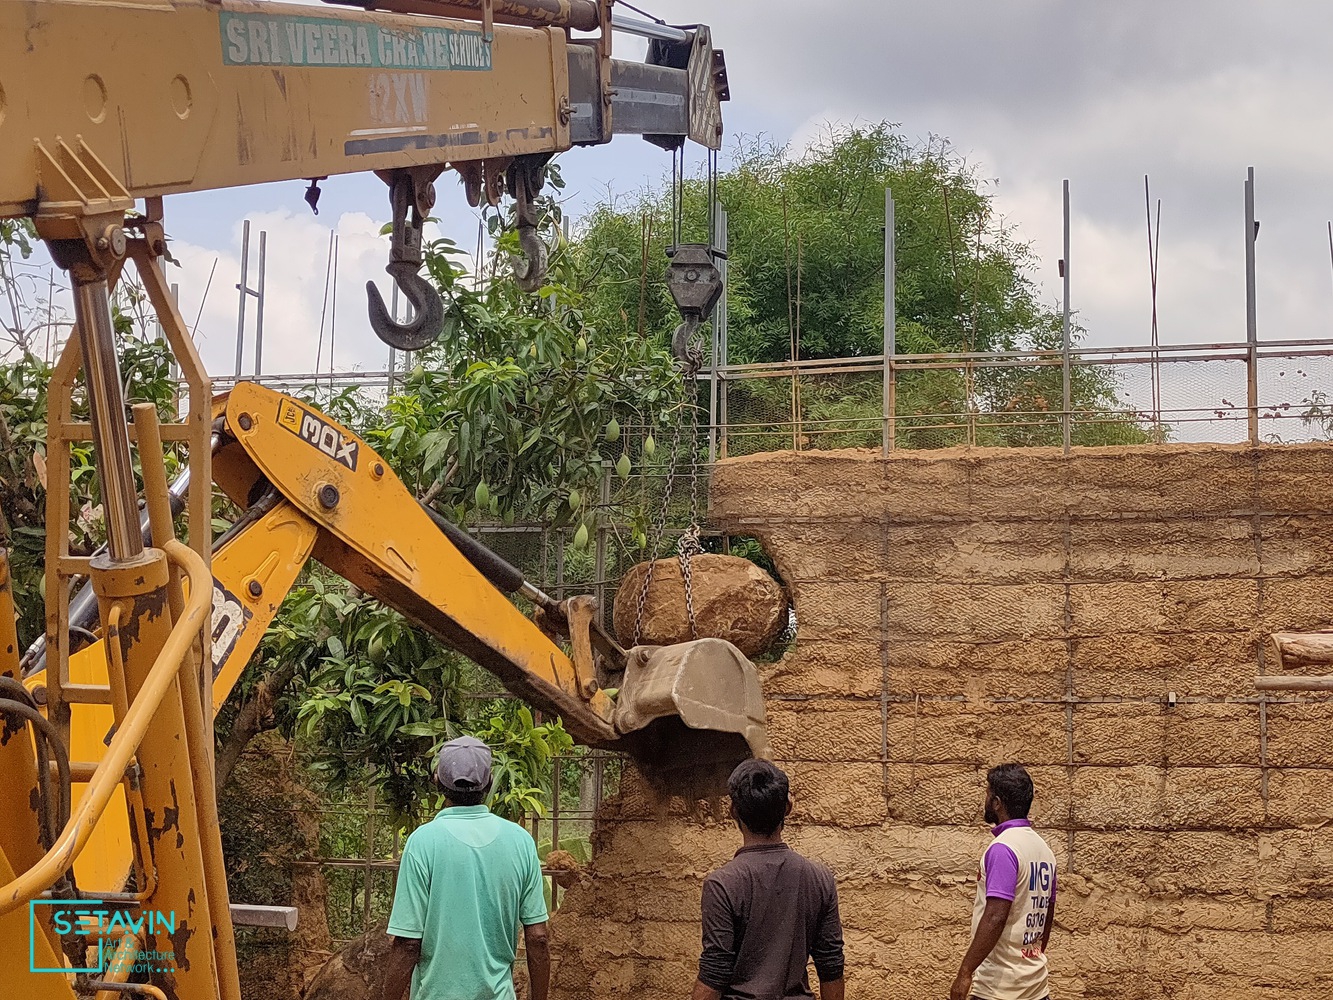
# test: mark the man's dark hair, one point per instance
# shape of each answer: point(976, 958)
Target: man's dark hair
point(759, 791)
point(1012, 785)
point(473, 797)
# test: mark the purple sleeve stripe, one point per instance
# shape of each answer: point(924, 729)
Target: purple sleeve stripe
point(1001, 864)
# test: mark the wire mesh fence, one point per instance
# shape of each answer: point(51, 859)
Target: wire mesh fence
point(1199, 393)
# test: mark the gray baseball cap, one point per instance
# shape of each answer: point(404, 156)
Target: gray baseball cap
point(464, 765)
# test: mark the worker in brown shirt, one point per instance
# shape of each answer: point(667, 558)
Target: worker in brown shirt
point(768, 911)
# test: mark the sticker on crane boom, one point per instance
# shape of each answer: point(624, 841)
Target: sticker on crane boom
point(318, 433)
point(286, 40)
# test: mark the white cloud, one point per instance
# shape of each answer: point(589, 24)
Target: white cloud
point(297, 272)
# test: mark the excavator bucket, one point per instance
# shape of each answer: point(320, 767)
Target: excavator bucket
point(691, 712)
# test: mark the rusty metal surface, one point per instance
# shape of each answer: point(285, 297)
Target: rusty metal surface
point(167, 780)
point(580, 15)
point(232, 94)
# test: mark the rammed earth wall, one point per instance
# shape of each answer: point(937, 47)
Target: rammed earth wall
point(959, 609)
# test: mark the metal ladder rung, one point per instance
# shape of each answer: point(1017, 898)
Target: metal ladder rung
point(86, 694)
point(80, 771)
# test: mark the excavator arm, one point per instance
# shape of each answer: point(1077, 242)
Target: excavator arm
point(368, 528)
point(309, 487)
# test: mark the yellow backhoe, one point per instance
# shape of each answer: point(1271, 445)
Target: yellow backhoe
point(112, 879)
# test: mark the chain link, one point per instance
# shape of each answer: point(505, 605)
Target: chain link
point(691, 363)
point(657, 528)
point(690, 543)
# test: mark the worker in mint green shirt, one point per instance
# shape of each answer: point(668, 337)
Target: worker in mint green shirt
point(466, 881)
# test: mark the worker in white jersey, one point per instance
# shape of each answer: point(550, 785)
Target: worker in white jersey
point(1015, 905)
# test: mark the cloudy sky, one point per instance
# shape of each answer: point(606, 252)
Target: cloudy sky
point(1031, 91)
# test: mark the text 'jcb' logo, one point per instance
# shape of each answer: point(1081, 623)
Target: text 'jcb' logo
point(318, 433)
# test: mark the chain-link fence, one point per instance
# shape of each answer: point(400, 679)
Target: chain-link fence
point(1208, 393)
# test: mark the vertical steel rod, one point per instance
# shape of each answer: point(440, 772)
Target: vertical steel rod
point(259, 307)
point(106, 400)
point(244, 286)
point(175, 362)
point(560, 541)
point(599, 557)
point(720, 321)
point(890, 401)
point(333, 309)
point(555, 826)
point(1066, 416)
point(393, 353)
point(1251, 312)
point(367, 881)
point(719, 242)
point(555, 803)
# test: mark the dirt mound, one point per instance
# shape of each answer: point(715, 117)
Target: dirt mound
point(733, 599)
point(564, 868)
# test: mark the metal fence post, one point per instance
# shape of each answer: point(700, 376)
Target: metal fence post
point(259, 305)
point(890, 401)
point(1066, 415)
point(1251, 313)
point(368, 874)
point(715, 412)
point(245, 292)
point(599, 557)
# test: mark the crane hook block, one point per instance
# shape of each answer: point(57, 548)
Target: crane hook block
point(695, 283)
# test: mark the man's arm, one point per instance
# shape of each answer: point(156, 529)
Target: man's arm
point(398, 966)
point(537, 943)
point(826, 950)
point(993, 919)
point(717, 962)
point(407, 922)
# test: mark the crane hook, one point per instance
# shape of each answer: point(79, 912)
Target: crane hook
point(428, 319)
point(526, 177)
point(405, 260)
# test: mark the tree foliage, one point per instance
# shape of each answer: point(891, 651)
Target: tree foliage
point(806, 280)
point(513, 412)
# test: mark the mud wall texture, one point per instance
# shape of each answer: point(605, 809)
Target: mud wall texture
point(959, 609)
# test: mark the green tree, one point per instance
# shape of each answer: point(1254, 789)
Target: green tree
point(806, 257)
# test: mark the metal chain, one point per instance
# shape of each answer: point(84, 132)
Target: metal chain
point(657, 528)
point(690, 543)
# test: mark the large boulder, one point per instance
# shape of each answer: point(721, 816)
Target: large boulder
point(733, 599)
point(354, 972)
